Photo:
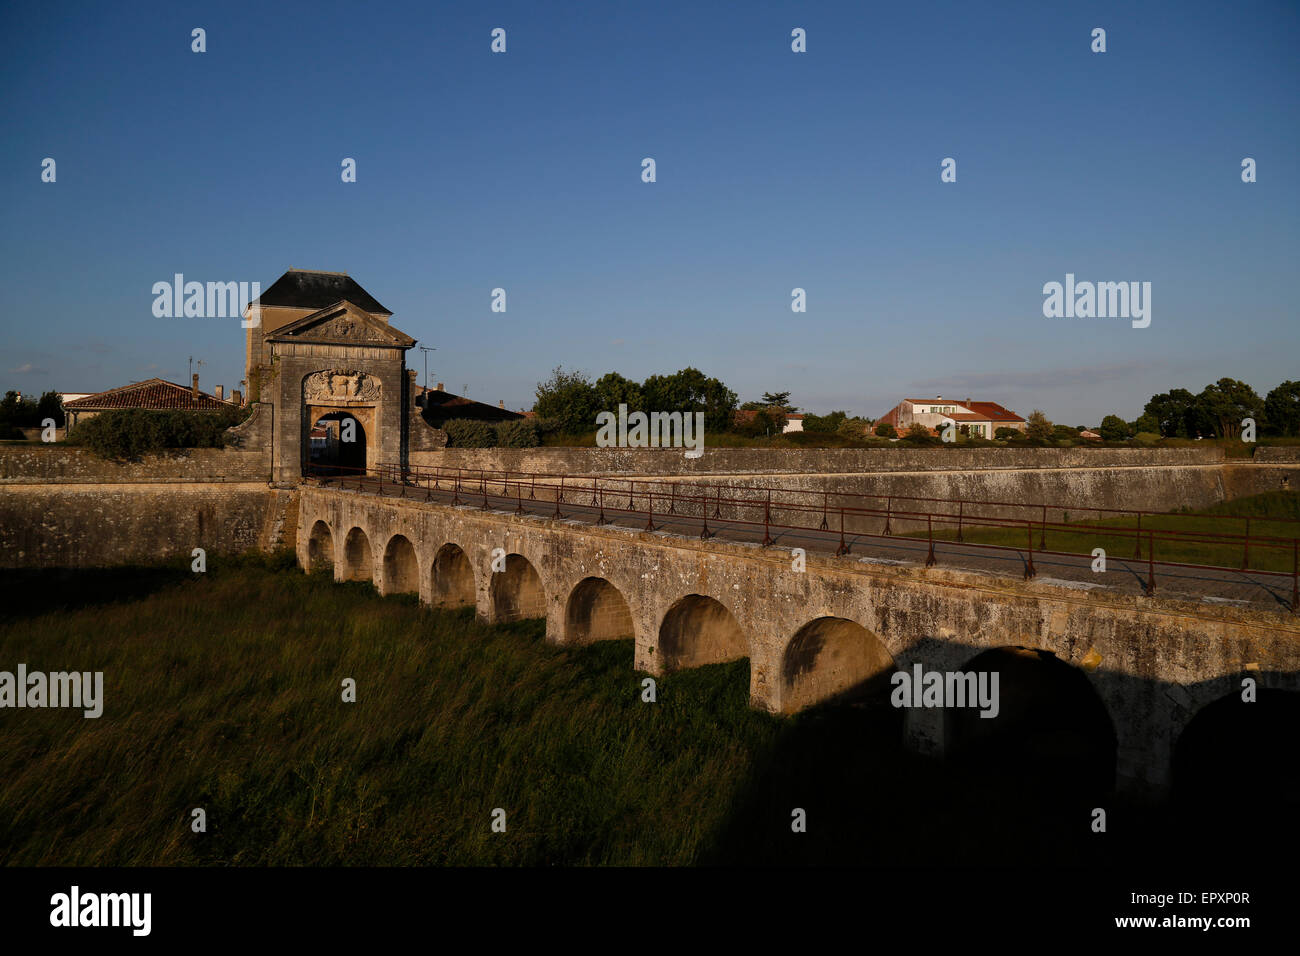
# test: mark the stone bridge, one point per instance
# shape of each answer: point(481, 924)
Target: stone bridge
point(1140, 668)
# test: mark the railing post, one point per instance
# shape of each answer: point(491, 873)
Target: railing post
point(559, 496)
point(1151, 563)
point(889, 507)
point(767, 518)
point(484, 488)
point(843, 548)
point(1245, 558)
point(519, 497)
point(455, 490)
point(1137, 551)
point(650, 497)
point(1042, 536)
point(929, 529)
point(961, 507)
point(532, 489)
point(672, 502)
point(1029, 539)
point(602, 519)
point(704, 514)
point(826, 501)
point(593, 492)
point(1295, 575)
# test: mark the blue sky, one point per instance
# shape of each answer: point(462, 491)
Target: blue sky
point(775, 170)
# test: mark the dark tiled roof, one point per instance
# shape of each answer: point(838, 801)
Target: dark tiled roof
point(155, 393)
point(442, 406)
point(300, 289)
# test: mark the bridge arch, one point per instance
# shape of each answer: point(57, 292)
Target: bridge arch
point(358, 562)
point(320, 547)
point(517, 593)
point(1051, 730)
point(596, 611)
point(1231, 756)
point(401, 566)
point(451, 578)
point(833, 659)
point(699, 630)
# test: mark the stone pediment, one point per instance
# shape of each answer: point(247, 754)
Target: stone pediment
point(342, 324)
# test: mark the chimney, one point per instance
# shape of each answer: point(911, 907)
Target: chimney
point(968, 401)
point(194, 386)
point(237, 397)
point(441, 387)
point(220, 391)
point(501, 403)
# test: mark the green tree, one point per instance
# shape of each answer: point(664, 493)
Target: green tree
point(1040, 429)
point(613, 390)
point(852, 428)
point(1171, 411)
point(779, 399)
point(1282, 408)
point(1114, 428)
point(50, 406)
point(886, 430)
point(568, 399)
point(690, 390)
point(1225, 403)
point(1063, 433)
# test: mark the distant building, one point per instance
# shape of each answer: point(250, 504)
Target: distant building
point(978, 419)
point(793, 422)
point(155, 394)
point(1090, 435)
point(442, 406)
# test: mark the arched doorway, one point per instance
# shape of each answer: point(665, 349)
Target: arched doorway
point(336, 445)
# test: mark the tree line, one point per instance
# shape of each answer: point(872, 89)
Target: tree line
point(1216, 412)
point(17, 413)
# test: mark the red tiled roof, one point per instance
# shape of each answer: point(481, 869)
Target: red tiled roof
point(155, 393)
point(992, 411)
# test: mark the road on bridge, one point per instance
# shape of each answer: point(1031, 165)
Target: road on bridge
point(1210, 586)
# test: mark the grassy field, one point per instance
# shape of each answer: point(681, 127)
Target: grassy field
point(1264, 511)
point(223, 691)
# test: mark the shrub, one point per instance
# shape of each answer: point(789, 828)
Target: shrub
point(886, 430)
point(468, 433)
point(128, 433)
point(919, 434)
point(518, 434)
point(1006, 434)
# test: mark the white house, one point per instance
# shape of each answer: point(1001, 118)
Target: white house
point(978, 419)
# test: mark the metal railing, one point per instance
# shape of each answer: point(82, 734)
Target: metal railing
point(845, 516)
